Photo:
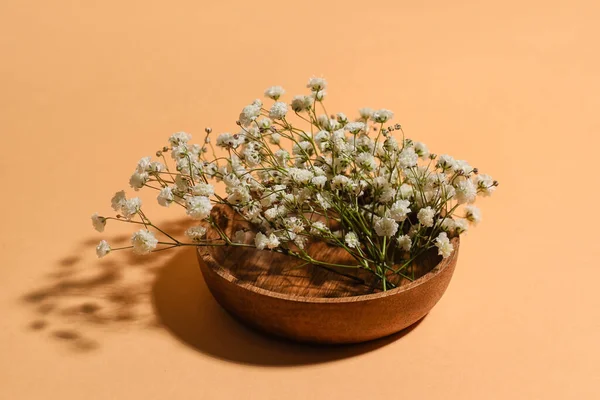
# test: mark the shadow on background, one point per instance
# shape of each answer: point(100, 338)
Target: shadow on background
point(80, 302)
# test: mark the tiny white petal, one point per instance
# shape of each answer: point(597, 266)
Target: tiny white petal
point(443, 244)
point(425, 216)
point(98, 222)
point(143, 242)
point(102, 249)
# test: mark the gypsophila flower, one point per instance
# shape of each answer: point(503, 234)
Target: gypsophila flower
point(355, 127)
point(463, 167)
point(446, 162)
point(198, 207)
point(406, 191)
point(143, 165)
point(265, 123)
point(319, 95)
point(262, 241)
point(386, 227)
point(227, 140)
point(300, 241)
point(249, 114)
point(130, 207)
point(443, 244)
point(238, 195)
point(352, 240)
point(485, 184)
point(319, 181)
point(421, 150)
point(408, 157)
point(324, 200)
point(472, 214)
point(448, 192)
point(181, 183)
point(272, 213)
point(165, 196)
point(103, 249)
point(425, 216)
point(274, 92)
point(391, 145)
point(299, 175)
point(339, 182)
point(118, 200)
point(382, 115)
point(448, 225)
point(282, 156)
point(460, 226)
point(387, 194)
point(465, 191)
point(195, 233)
point(138, 180)
point(203, 189)
point(294, 225)
point(404, 242)
point(303, 148)
point(399, 210)
point(275, 138)
point(366, 161)
point(155, 167)
point(365, 113)
point(302, 103)
point(143, 242)
point(98, 222)
point(318, 228)
point(179, 138)
point(322, 136)
point(278, 110)
point(316, 84)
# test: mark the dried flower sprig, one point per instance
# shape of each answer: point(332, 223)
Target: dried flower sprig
point(384, 199)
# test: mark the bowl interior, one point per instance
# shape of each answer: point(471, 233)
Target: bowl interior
point(280, 275)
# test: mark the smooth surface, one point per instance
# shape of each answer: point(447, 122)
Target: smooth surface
point(88, 88)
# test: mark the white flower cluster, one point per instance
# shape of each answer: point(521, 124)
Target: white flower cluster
point(388, 197)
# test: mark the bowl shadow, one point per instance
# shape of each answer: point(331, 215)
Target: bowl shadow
point(185, 307)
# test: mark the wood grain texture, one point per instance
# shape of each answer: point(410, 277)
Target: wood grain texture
point(273, 293)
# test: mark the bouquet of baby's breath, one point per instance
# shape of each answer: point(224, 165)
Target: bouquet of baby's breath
point(359, 185)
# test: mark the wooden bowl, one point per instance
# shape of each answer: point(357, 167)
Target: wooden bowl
point(269, 291)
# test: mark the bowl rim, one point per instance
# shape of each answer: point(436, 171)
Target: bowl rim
point(207, 258)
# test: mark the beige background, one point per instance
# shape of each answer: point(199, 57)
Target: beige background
point(89, 87)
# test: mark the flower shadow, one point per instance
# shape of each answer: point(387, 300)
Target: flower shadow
point(81, 302)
